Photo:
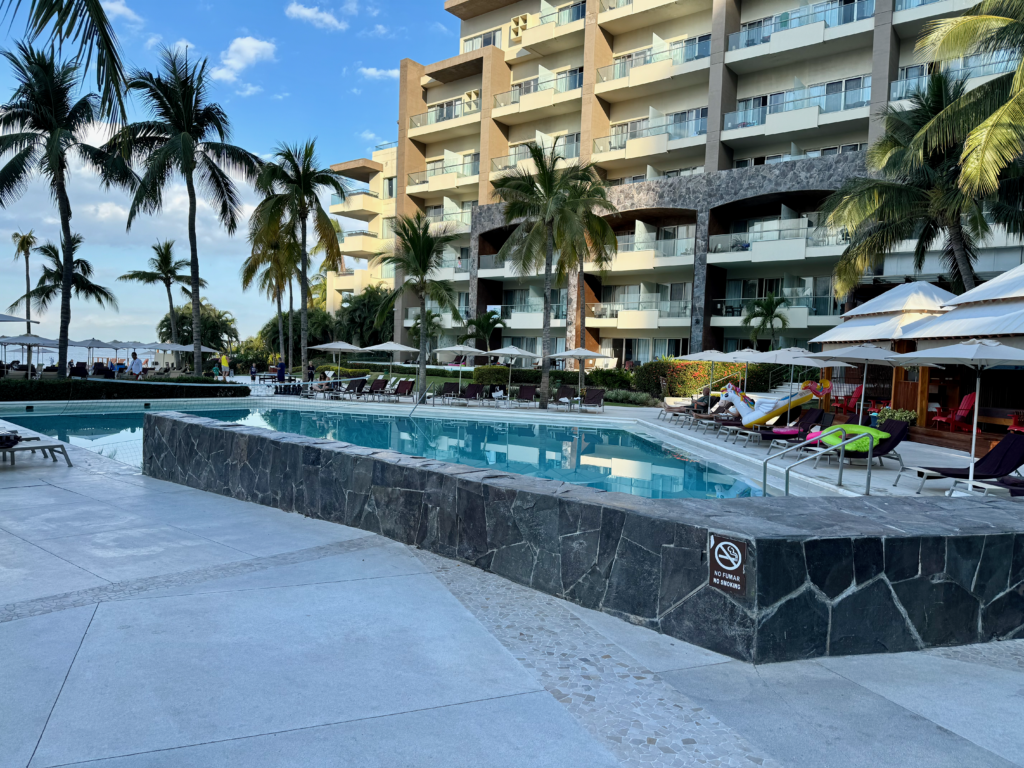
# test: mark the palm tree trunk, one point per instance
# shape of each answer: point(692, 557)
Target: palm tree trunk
point(963, 263)
point(197, 327)
point(67, 277)
point(581, 305)
point(421, 373)
point(291, 326)
point(28, 314)
point(545, 347)
point(303, 301)
point(280, 324)
point(174, 323)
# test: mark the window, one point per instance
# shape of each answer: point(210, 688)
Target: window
point(523, 88)
point(519, 152)
point(627, 180)
point(631, 352)
point(435, 167)
point(670, 348)
point(482, 41)
point(388, 228)
point(568, 146)
point(569, 80)
point(390, 187)
point(623, 132)
point(627, 61)
point(445, 110)
point(468, 205)
point(471, 164)
point(435, 212)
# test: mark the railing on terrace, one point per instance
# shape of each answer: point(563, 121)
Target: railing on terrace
point(906, 5)
point(822, 306)
point(386, 145)
point(460, 171)
point(444, 112)
point(675, 131)
point(355, 233)
point(565, 15)
point(904, 89)
point(490, 261)
point(611, 5)
point(569, 81)
point(826, 102)
point(664, 248)
point(691, 51)
point(605, 310)
point(338, 200)
point(568, 151)
point(674, 308)
point(833, 16)
point(535, 306)
point(387, 271)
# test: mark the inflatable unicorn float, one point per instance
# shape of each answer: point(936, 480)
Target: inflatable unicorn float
point(762, 411)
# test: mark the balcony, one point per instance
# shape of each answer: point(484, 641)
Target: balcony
point(778, 241)
point(361, 204)
point(803, 311)
point(666, 70)
point(446, 177)
point(359, 243)
point(619, 16)
point(529, 315)
point(559, 30)
point(385, 145)
point(647, 313)
point(663, 138)
point(1002, 62)
point(639, 254)
point(568, 151)
point(457, 222)
point(491, 262)
point(800, 113)
point(535, 99)
point(446, 121)
point(788, 35)
point(910, 16)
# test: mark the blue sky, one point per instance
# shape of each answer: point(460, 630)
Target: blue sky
point(284, 70)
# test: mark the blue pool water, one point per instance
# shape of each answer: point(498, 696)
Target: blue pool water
point(609, 459)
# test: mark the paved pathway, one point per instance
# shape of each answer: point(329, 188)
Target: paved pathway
point(146, 624)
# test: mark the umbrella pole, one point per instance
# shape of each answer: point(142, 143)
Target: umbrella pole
point(974, 431)
point(863, 391)
point(746, 375)
point(789, 405)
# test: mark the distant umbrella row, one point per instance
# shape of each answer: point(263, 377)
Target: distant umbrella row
point(31, 340)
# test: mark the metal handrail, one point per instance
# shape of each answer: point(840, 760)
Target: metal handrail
point(816, 439)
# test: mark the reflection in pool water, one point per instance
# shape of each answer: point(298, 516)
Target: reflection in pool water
point(609, 459)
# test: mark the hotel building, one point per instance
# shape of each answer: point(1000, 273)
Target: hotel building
point(722, 125)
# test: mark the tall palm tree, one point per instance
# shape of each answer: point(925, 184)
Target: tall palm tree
point(51, 283)
point(762, 316)
point(23, 245)
point(42, 128)
point(164, 270)
point(359, 317)
point(482, 327)
point(271, 266)
point(188, 137)
point(433, 327)
point(549, 209)
point(417, 255)
point(292, 184)
point(910, 195)
point(217, 327)
point(985, 123)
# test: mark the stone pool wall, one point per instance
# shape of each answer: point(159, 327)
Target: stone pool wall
point(824, 576)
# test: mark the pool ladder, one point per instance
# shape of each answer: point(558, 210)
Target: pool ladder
point(816, 439)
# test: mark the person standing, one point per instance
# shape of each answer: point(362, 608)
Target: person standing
point(224, 366)
point(310, 372)
point(135, 369)
point(252, 372)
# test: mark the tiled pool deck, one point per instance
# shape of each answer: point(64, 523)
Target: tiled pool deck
point(147, 624)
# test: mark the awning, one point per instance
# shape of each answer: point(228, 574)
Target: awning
point(874, 328)
point(973, 321)
point(1009, 285)
point(907, 297)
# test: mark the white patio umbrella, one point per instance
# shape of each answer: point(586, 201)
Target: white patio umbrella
point(91, 344)
point(334, 347)
point(581, 354)
point(745, 356)
point(977, 354)
point(27, 340)
point(512, 352)
point(462, 349)
point(787, 356)
point(390, 346)
point(12, 319)
point(863, 354)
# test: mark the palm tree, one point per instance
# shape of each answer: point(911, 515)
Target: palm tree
point(271, 265)
point(549, 209)
point(51, 283)
point(292, 184)
point(433, 326)
point(217, 327)
point(418, 254)
point(763, 314)
point(188, 137)
point(23, 245)
point(358, 317)
point(909, 195)
point(164, 270)
point(482, 327)
point(42, 128)
point(985, 122)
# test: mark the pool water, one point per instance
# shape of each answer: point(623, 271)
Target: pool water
point(609, 459)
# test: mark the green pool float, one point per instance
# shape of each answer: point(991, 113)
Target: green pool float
point(861, 446)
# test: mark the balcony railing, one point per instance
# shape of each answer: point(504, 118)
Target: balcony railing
point(558, 311)
point(459, 217)
point(385, 145)
point(904, 89)
point(339, 200)
point(565, 15)
point(790, 229)
point(491, 262)
point(611, 5)
point(563, 83)
point(568, 151)
point(444, 112)
point(691, 51)
point(821, 306)
point(826, 102)
point(674, 308)
point(466, 169)
point(355, 233)
point(664, 248)
point(387, 271)
point(833, 16)
point(906, 5)
point(605, 310)
point(686, 130)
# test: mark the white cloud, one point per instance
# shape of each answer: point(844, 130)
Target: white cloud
point(153, 41)
point(377, 30)
point(350, 7)
point(240, 55)
point(248, 89)
point(182, 45)
point(369, 136)
point(372, 73)
point(316, 17)
point(280, 96)
point(356, 91)
point(117, 9)
point(437, 26)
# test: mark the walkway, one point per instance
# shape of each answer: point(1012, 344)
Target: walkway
point(147, 624)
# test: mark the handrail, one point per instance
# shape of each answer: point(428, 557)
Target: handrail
point(816, 439)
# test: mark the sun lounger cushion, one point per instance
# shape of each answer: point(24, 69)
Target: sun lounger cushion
point(835, 437)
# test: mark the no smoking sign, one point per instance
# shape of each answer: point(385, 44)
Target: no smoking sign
point(727, 559)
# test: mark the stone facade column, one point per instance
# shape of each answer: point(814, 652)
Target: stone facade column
point(597, 52)
point(725, 19)
point(700, 300)
point(885, 65)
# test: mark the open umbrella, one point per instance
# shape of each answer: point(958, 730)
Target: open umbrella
point(334, 347)
point(390, 346)
point(977, 354)
point(581, 355)
point(12, 319)
point(512, 352)
point(461, 349)
point(862, 354)
point(745, 356)
point(789, 356)
point(91, 344)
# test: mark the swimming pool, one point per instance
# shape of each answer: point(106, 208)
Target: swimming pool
point(609, 459)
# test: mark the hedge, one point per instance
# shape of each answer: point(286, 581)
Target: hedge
point(498, 374)
point(78, 389)
point(343, 373)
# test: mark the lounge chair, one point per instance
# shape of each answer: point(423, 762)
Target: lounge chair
point(958, 419)
point(349, 390)
point(886, 447)
point(471, 392)
point(849, 403)
point(815, 417)
point(594, 398)
point(49, 448)
point(564, 396)
point(526, 394)
point(404, 389)
point(696, 419)
point(449, 390)
point(672, 406)
point(1003, 460)
point(1014, 486)
point(376, 388)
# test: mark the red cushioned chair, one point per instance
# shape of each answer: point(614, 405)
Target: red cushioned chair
point(849, 404)
point(958, 419)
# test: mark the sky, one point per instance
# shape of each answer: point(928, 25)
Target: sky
point(284, 71)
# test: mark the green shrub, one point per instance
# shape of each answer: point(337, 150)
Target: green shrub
point(343, 373)
point(488, 374)
point(106, 389)
point(625, 396)
point(610, 378)
point(899, 414)
point(684, 378)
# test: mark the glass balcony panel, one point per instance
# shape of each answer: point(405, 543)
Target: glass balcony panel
point(444, 112)
point(833, 15)
point(490, 261)
point(728, 243)
point(745, 118)
point(611, 5)
point(906, 5)
point(666, 249)
point(675, 130)
point(385, 145)
point(565, 15)
point(674, 308)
